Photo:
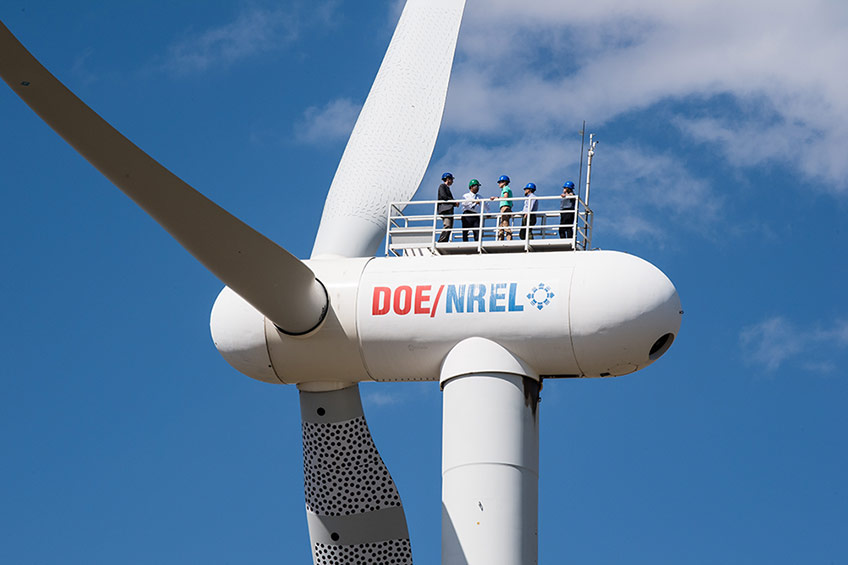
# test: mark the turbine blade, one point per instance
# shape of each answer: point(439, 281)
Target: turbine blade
point(393, 139)
point(271, 279)
point(353, 508)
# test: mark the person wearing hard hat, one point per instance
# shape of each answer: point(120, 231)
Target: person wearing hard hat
point(528, 214)
point(445, 207)
point(566, 215)
point(471, 208)
point(506, 208)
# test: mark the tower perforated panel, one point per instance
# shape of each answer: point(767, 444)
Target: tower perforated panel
point(343, 472)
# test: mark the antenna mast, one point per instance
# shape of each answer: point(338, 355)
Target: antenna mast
point(580, 173)
point(592, 144)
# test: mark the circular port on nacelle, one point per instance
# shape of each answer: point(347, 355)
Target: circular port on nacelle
point(660, 346)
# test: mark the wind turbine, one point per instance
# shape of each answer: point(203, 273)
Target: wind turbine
point(489, 328)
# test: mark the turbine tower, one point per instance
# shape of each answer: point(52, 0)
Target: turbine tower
point(488, 327)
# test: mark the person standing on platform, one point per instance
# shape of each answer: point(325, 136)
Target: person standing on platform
point(506, 208)
point(528, 214)
point(471, 208)
point(566, 215)
point(445, 209)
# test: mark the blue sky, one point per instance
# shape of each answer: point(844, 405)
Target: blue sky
point(125, 437)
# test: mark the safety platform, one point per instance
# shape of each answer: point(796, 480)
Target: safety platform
point(416, 227)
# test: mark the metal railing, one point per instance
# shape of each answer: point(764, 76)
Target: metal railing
point(417, 228)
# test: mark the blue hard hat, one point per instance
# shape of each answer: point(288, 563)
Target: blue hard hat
point(503, 178)
point(531, 186)
point(568, 184)
point(447, 176)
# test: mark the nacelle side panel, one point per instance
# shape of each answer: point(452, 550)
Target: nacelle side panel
point(413, 310)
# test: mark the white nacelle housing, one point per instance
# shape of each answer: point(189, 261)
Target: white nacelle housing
point(579, 314)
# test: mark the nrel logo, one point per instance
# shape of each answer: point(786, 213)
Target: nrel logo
point(456, 298)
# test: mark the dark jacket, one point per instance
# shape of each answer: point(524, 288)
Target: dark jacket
point(445, 194)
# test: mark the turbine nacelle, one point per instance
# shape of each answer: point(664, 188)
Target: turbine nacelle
point(566, 314)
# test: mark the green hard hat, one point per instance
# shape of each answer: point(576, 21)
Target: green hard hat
point(474, 182)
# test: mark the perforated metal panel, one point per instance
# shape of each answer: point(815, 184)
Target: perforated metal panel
point(353, 508)
point(395, 552)
point(343, 473)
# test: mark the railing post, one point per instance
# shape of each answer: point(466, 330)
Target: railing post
point(574, 219)
point(435, 219)
point(389, 229)
point(480, 226)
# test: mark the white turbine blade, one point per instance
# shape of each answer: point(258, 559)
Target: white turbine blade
point(393, 139)
point(353, 508)
point(275, 282)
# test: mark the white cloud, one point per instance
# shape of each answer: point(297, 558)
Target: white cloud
point(252, 32)
point(774, 341)
point(838, 334)
point(383, 399)
point(332, 122)
point(647, 192)
point(770, 342)
point(535, 66)
point(820, 367)
point(398, 394)
point(80, 66)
